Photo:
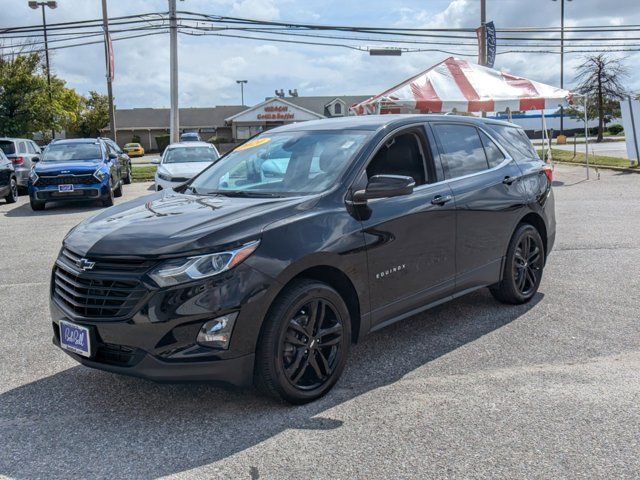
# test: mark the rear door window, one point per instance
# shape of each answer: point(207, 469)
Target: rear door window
point(494, 155)
point(22, 147)
point(462, 152)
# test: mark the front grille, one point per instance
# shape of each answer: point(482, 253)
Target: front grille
point(107, 264)
point(95, 297)
point(44, 180)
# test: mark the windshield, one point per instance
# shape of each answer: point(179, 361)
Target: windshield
point(275, 164)
point(65, 152)
point(7, 147)
point(190, 154)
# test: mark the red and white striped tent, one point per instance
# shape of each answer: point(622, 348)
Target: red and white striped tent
point(465, 87)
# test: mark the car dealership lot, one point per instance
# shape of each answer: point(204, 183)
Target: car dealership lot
point(470, 389)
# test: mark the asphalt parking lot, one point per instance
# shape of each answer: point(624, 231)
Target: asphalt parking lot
point(471, 389)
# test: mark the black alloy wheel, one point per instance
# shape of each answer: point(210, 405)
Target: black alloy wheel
point(311, 345)
point(527, 264)
point(12, 196)
point(523, 267)
point(304, 342)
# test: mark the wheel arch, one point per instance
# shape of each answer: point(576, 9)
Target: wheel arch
point(536, 221)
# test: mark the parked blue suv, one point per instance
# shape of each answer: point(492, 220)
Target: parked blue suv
point(77, 169)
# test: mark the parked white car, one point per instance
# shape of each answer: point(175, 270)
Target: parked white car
point(181, 162)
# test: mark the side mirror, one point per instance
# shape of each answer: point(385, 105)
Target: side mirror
point(384, 186)
point(155, 161)
point(35, 159)
point(113, 156)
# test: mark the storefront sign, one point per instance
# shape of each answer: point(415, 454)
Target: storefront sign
point(276, 112)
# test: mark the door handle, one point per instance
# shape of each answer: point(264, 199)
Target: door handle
point(441, 199)
point(509, 180)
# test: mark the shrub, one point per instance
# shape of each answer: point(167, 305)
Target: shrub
point(615, 129)
point(162, 141)
point(135, 139)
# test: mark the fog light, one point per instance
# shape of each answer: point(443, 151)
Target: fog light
point(216, 333)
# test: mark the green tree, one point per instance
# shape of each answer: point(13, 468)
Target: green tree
point(600, 79)
point(94, 115)
point(27, 104)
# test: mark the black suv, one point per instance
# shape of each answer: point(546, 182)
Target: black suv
point(270, 263)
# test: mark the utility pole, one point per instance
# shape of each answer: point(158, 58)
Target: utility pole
point(174, 121)
point(108, 53)
point(483, 43)
point(51, 4)
point(483, 22)
point(562, 60)
point(241, 83)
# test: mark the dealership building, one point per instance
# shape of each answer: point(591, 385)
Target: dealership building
point(229, 123)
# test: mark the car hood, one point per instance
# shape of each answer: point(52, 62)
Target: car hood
point(169, 224)
point(185, 169)
point(76, 166)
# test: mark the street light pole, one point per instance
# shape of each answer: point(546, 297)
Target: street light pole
point(174, 121)
point(108, 53)
point(52, 5)
point(241, 83)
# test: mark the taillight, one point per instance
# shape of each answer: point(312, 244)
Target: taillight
point(18, 161)
point(548, 171)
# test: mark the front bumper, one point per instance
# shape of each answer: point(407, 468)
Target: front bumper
point(80, 192)
point(156, 338)
point(161, 184)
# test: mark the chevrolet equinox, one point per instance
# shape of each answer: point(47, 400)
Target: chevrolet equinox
point(270, 263)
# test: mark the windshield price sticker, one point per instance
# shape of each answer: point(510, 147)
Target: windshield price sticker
point(253, 143)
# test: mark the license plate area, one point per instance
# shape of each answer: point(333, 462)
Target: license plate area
point(65, 188)
point(75, 338)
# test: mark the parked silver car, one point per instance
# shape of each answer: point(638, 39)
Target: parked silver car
point(21, 152)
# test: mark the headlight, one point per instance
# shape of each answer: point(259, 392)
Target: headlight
point(164, 177)
point(33, 176)
point(99, 174)
point(181, 270)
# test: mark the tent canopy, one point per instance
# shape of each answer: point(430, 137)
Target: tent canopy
point(465, 87)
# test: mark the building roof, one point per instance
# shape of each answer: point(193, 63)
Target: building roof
point(189, 117)
point(318, 104)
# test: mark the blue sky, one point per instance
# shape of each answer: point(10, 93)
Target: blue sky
point(209, 66)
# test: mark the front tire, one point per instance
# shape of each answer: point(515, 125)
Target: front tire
point(523, 267)
point(304, 343)
point(108, 200)
point(36, 205)
point(12, 196)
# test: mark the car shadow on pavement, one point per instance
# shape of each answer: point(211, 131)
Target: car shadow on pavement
point(54, 208)
point(87, 423)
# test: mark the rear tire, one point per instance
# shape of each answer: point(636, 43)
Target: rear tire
point(108, 200)
point(127, 179)
point(12, 196)
point(304, 343)
point(36, 205)
point(523, 267)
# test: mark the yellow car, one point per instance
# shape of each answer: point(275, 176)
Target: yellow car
point(134, 149)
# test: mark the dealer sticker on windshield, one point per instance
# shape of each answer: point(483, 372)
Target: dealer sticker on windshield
point(253, 143)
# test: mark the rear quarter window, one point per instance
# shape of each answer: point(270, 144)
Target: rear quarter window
point(515, 142)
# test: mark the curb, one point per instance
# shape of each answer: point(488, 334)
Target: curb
point(604, 167)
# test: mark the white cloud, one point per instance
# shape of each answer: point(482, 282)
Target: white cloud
point(210, 65)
